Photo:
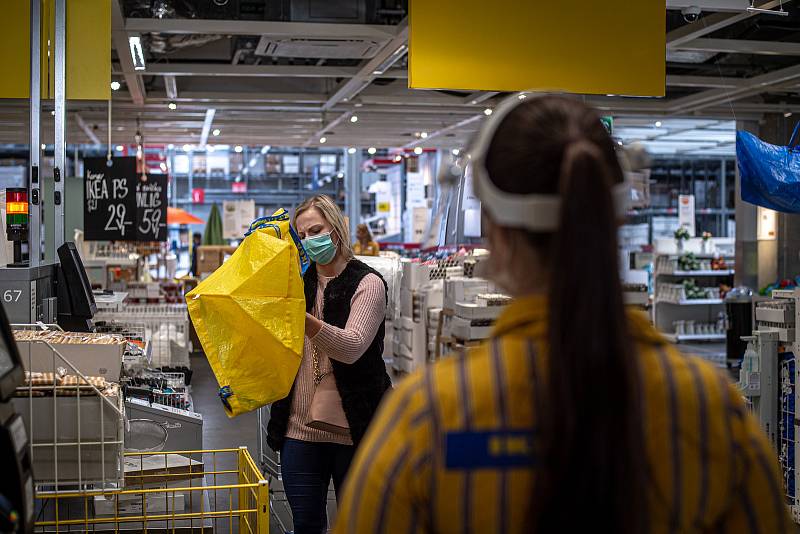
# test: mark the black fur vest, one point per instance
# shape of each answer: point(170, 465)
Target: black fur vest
point(361, 384)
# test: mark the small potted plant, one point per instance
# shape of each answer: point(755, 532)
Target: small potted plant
point(706, 241)
point(681, 235)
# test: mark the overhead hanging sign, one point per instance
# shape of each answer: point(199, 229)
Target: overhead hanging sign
point(119, 206)
point(585, 46)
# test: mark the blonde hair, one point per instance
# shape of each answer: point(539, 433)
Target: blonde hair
point(331, 213)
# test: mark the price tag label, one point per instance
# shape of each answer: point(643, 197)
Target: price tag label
point(119, 205)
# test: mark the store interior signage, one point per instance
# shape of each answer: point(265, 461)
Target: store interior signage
point(585, 46)
point(119, 205)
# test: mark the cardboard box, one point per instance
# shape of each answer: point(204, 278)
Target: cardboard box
point(160, 469)
point(464, 330)
point(415, 275)
point(463, 290)
point(133, 504)
point(210, 257)
point(471, 311)
point(433, 293)
point(91, 359)
point(406, 303)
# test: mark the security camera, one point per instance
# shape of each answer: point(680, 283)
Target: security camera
point(691, 13)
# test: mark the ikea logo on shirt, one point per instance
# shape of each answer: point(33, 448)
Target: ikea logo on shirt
point(499, 449)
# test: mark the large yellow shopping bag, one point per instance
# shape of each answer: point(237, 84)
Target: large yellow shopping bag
point(250, 316)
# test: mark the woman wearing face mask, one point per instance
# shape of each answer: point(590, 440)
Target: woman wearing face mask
point(342, 376)
point(576, 416)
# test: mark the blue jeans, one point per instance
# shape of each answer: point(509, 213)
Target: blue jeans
point(307, 469)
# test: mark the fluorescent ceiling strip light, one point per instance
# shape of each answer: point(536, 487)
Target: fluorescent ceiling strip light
point(391, 60)
point(135, 43)
point(207, 126)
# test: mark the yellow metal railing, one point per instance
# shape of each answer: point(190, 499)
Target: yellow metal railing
point(232, 497)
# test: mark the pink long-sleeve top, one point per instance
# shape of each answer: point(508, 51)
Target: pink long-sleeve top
point(346, 345)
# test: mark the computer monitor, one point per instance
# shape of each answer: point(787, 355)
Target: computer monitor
point(76, 305)
point(11, 371)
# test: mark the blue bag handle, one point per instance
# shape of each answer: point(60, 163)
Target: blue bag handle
point(283, 215)
point(793, 139)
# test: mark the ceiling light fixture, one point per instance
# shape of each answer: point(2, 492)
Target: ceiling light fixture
point(398, 158)
point(658, 124)
point(265, 149)
point(115, 85)
point(522, 96)
point(135, 43)
point(44, 146)
point(170, 146)
point(120, 148)
point(456, 152)
point(371, 150)
point(391, 60)
point(238, 149)
point(487, 111)
point(187, 148)
point(787, 114)
point(172, 105)
point(418, 150)
point(323, 140)
point(354, 118)
point(340, 175)
point(351, 150)
point(423, 135)
point(216, 132)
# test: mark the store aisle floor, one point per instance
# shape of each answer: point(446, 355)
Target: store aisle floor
point(221, 432)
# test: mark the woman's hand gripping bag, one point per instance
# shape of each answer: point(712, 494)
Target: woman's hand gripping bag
point(250, 316)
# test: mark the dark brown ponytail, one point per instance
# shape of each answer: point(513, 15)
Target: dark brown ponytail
point(590, 476)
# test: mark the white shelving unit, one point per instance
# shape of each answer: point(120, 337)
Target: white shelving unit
point(671, 306)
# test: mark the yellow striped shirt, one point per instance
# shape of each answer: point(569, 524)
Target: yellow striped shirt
point(443, 454)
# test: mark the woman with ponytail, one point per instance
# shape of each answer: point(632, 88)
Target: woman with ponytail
point(576, 416)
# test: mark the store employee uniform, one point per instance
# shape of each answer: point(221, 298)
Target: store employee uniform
point(451, 449)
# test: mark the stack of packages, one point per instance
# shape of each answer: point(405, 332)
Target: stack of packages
point(473, 321)
point(150, 472)
point(410, 340)
point(428, 325)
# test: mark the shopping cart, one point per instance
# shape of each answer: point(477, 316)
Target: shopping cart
point(217, 491)
point(166, 328)
point(74, 422)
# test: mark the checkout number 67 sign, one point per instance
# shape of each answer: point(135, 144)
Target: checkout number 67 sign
point(119, 205)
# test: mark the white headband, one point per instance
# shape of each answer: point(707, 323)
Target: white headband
point(538, 213)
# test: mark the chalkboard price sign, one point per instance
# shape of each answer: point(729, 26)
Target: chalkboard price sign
point(119, 206)
point(151, 208)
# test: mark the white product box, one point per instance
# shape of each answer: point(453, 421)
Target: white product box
point(91, 359)
point(415, 275)
point(463, 329)
point(406, 303)
point(433, 293)
point(463, 290)
point(471, 311)
point(419, 343)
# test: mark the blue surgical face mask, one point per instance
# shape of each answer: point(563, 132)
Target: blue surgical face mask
point(320, 248)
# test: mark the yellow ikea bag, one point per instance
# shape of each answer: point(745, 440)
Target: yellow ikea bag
point(250, 316)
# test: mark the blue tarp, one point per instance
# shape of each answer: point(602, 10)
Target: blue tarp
point(770, 174)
